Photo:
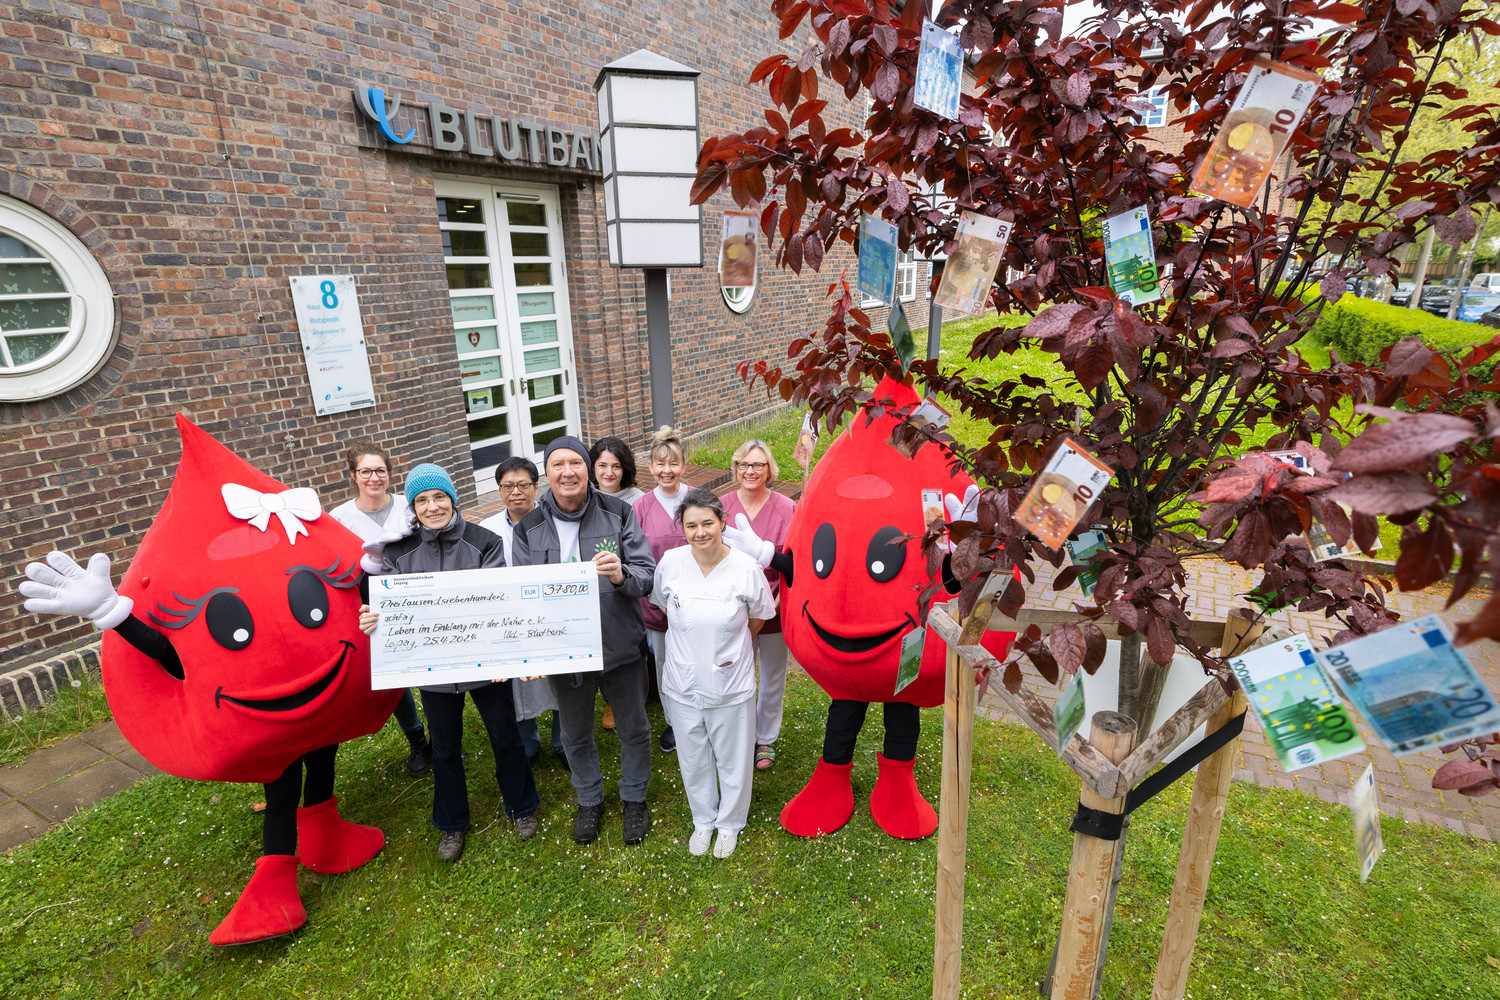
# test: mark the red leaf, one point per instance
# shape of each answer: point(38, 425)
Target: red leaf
point(886, 81)
point(1079, 85)
point(1012, 677)
point(1068, 646)
point(1227, 489)
point(777, 121)
point(1159, 642)
point(897, 195)
point(1093, 363)
point(1407, 357)
point(1425, 557)
point(1332, 286)
point(708, 181)
point(1485, 625)
point(812, 252)
point(1230, 348)
point(1402, 441)
point(766, 66)
point(1052, 321)
point(1096, 646)
point(793, 250)
point(1460, 774)
point(1366, 531)
point(806, 111)
point(1344, 13)
point(1125, 613)
point(1385, 493)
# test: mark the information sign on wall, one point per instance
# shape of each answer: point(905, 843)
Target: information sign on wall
point(333, 342)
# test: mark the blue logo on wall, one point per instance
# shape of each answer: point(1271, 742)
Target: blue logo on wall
point(372, 102)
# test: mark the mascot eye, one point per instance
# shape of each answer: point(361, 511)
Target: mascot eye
point(308, 598)
point(887, 553)
point(229, 621)
point(823, 546)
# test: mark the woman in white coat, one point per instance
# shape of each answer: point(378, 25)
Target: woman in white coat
point(715, 601)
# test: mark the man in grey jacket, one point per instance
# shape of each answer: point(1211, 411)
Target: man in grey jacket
point(575, 522)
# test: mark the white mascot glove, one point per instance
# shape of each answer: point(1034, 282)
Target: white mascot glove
point(373, 561)
point(966, 509)
point(62, 587)
point(743, 538)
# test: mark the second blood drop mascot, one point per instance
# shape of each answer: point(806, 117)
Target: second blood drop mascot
point(850, 599)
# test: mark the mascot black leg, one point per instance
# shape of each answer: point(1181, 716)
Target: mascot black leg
point(895, 803)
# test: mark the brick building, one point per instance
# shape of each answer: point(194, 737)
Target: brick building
point(167, 166)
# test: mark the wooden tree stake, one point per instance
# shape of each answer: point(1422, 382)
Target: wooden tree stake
point(953, 826)
point(1089, 874)
point(1200, 838)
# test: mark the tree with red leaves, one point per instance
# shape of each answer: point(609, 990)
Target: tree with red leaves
point(1050, 139)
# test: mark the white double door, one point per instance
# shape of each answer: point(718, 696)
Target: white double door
point(508, 289)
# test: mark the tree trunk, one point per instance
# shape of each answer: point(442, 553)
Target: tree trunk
point(1468, 262)
point(1420, 276)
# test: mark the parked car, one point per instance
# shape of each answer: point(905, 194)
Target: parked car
point(1475, 304)
point(1401, 295)
point(1487, 283)
point(1437, 296)
point(1491, 318)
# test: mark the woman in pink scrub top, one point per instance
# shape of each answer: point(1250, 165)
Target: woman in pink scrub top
point(770, 514)
point(657, 513)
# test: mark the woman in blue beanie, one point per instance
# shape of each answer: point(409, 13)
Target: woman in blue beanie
point(442, 540)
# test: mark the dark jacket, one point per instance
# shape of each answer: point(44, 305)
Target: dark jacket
point(460, 545)
point(605, 519)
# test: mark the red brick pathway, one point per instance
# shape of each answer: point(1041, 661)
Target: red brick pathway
point(1405, 782)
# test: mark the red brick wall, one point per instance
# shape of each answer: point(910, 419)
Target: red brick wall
point(115, 120)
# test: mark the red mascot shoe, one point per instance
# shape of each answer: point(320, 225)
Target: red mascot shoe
point(268, 908)
point(824, 805)
point(895, 803)
point(331, 845)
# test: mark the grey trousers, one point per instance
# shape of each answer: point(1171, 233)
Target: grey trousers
point(625, 689)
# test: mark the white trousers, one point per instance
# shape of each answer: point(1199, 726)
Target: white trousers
point(717, 758)
point(770, 660)
point(658, 641)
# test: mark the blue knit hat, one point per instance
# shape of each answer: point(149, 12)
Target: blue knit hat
point(429, 477)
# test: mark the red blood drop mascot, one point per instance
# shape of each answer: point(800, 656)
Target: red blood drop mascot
point(232, 652)
point(850, 599)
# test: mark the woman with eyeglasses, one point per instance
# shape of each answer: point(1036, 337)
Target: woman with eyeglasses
point(769, 514)
point(372, 512)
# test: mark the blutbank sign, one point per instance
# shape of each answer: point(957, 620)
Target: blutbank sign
point(432, 124)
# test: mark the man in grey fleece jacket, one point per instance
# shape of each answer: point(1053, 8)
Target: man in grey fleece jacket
point(573, 522)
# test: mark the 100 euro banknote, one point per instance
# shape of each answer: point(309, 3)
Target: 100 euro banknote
point(1302, 717)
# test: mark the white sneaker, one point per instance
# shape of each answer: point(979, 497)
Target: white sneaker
point(724, 846)
point(698, 842)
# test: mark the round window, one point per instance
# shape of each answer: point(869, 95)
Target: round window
point(57, 313)
point(738, 299)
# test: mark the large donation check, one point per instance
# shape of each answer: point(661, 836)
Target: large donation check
point(484, 624)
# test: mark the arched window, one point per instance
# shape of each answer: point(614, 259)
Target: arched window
point(57, 313)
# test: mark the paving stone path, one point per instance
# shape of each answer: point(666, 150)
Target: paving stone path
point(1405, 782)
point(53, 784)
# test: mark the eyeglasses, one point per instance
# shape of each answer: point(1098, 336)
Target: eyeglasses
point(517, 487)
point(372, 473)
point(753, 466)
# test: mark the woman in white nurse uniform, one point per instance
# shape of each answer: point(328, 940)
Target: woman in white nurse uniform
point(715, 601)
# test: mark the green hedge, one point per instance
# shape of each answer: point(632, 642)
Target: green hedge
point(1360, 329)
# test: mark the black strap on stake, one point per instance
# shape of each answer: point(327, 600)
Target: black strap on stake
point(1108, 826)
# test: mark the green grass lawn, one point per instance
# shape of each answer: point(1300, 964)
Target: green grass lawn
point(74, 710)
point(119, 901)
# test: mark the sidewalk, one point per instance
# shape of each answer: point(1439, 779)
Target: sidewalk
point(1405, 782)
point(52, 784)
